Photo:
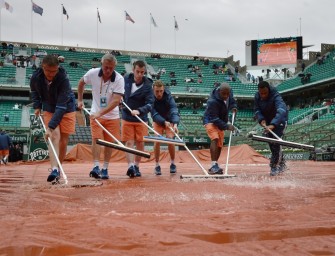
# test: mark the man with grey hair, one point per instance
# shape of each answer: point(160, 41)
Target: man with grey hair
point(215, 120)
point(107, 91)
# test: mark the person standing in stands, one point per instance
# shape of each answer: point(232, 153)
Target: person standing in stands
point(107, 91)
point(165, 116)
point(215, 120)
point(5, 143)
point(271, 113)
point(139, 97)
point(51, 93)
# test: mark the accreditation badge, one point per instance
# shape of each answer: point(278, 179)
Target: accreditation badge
point(103, 102)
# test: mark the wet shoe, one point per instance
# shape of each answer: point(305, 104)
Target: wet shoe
point(137, 171)
point(104, 174)
point(53, 176)
point(215, 169)
point(158, 170)
point(4, 161)
point(95, 173)
point(173, 168)
point(274, 171)
point(131, 172)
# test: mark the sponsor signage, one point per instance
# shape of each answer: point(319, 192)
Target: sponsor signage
point(19, 138)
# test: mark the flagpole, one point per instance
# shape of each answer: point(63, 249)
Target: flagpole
point(62, 22)
point(31, 24)
point(98, 28)
point(175, 35)
point(150, 21)
point(124, 32)
point(0, 23)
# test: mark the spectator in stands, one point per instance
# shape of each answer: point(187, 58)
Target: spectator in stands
point(272, 114)
point(303, 65)
point(165, 116)
point(248, 77)
point(215, 120)
point(107, 91)
point(5, 143)
point(51, 93)
point(253, 79)
point(139, 98)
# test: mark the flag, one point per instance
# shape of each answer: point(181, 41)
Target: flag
point(65, 13)
point(37, 9)
point(99, 16)
point(153, 21)
point(128, 17)
point(175, 24)
point(6, 5)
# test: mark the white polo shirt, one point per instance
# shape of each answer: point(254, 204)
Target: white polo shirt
point(104, 89)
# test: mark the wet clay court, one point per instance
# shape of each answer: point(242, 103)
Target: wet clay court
point(250, 214)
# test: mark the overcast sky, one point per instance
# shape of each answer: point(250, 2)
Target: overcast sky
point(213, 28)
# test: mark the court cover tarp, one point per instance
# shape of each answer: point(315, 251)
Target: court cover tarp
point(242, 154)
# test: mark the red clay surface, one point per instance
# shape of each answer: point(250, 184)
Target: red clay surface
point(251, 214)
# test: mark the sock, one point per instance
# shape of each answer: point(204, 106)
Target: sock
point(213, 162)
point(157, 164)
point(130, 164)
point(55, 168)
point(137, 164)
point(96, 163)
point(172, 161)
point(105, 166)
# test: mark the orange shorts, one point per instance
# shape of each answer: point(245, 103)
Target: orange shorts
point(161, 129)
point(67, 124)
point(214, 132)
point(111, 125)
point(4, 152)
point(133, 131)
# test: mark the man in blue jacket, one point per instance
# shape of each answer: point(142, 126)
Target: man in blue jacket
point(139, 97)
point(166, 117)
point(5, 143)
point(220, 102)
point(51, 92)
point(271, 113)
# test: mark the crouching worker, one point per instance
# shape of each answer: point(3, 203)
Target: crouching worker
point(166, 117)
point(272, 114)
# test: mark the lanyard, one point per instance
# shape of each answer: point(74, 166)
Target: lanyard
point(106, 88)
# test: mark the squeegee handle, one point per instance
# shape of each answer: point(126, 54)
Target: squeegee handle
point(275, 135)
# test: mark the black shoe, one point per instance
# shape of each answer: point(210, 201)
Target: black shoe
point(4, 160)
point(104, 174)
point(95, 173)
point(137, 171)
point(131, 172)
point(173, 168)
point(215, 169)
point(158, 170)
point(53, 176)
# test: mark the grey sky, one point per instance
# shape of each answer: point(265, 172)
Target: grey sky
point(214, 28)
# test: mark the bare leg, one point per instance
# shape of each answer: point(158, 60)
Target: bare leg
point(64, 139)
point(172, 150)
point(139, 146)
point(157, 151)
point(215, 150)
point(107, 154)
point(96, 151)
point(130, 157)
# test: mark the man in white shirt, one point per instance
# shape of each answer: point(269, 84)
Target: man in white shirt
point(107, 91)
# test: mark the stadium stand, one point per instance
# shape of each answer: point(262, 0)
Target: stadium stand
point(190, 79)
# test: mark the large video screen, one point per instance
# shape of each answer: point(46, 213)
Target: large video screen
point(275, 52)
